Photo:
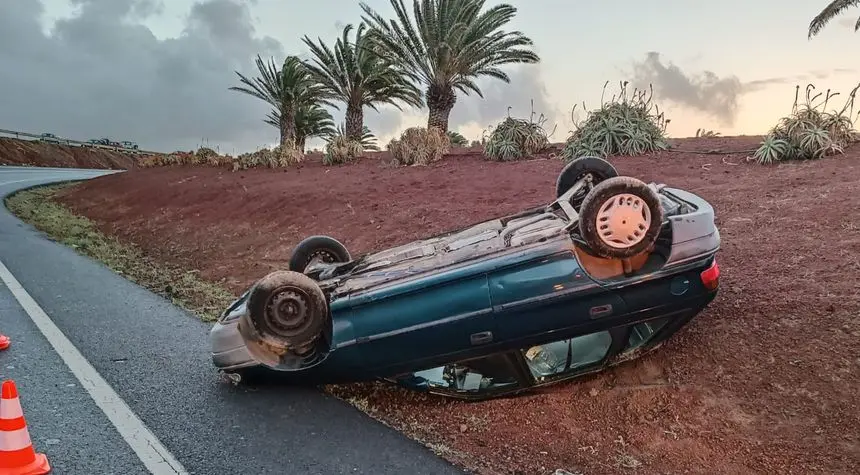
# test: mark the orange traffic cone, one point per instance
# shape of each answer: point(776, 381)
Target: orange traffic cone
point(17, 456)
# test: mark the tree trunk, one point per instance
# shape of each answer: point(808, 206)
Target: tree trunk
point(300, 143)
point(440, 101)
point(354, 121)
point(288, 126)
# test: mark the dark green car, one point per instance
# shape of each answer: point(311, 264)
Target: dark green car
point(605, 273)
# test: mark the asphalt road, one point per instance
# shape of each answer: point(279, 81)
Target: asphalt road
point(154, 373)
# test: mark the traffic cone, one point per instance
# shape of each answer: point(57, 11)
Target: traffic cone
point(17, 456)
point(4, 342)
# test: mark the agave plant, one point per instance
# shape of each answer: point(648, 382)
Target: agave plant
point(288, 90)
point(810, 131)
point(353, 73)
point(450, 44)
point(831, 11)
point(513, 138)
point(629, 124)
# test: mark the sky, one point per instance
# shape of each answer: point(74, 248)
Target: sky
point(157, 72)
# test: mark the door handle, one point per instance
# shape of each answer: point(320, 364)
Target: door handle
point(481, 338)
point(600, 311)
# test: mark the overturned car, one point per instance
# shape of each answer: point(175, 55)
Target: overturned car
point(606, 272)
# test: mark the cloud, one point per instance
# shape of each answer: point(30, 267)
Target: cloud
point(103, 73)
point(707, 92)
point(526, 86)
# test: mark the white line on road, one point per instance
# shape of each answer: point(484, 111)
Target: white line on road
point(146, 446)
point(50, 178)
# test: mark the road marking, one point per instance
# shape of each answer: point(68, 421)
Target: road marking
point(146, 446)
point(51, 178)
point(20, 181)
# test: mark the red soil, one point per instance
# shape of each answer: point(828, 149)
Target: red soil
point(764, 381)
point(40, 154)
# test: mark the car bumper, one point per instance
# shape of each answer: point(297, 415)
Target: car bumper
point(228, 349)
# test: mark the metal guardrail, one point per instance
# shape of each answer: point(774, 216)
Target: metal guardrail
point(75, 143)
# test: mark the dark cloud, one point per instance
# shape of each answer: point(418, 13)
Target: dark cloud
point(103, 73)
point(526, 86)
point(706, 92)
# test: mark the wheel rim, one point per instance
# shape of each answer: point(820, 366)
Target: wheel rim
point(623, 220)
point(287, 313)
point(321, 256)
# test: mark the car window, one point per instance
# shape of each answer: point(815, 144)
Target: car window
point(567, 356)
point(641, 333)
point(487, 374)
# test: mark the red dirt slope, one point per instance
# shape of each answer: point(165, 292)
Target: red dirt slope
point(40, 154)
point(767, 380)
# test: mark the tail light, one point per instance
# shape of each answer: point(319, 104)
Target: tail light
point(711, 276)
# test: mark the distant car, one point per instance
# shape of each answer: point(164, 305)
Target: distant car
point(102, 141)
point(50, 138)
point(129, 145)
point(606, 272)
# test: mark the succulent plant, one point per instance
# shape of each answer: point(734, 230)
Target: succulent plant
point(626, 125)
point(810, 131)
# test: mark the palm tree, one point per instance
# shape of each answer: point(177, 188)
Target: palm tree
point(354, 74)
point(831, 11)
point(311, 121)
point(288, 90)
point(451, 43)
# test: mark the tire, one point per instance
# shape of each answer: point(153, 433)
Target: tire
point(631, 194)
point(327, 248)
point(599, 169)
point(287, 311)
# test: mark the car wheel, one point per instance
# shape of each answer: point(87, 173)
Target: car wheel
point(620, 217)
point(287, 313)
point(577, 169)
point(318, 249)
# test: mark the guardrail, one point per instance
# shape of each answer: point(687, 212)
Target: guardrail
point(74, 143)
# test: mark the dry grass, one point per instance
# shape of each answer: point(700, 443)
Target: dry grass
point(419, 146)
point(182, 287)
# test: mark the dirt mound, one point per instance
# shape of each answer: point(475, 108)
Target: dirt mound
point(40, 154)
point(764, 381)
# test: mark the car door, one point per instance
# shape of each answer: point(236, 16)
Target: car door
point(547, 294)
point(425, 325)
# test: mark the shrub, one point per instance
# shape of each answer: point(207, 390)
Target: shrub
point(340, 149)
point(623, 126)
point(513, 139)
point(457, 139)
point(289, 155)
point(419, 146)
point(278, 157)
point(810, 132)
point(203, 156)
point(706, 133)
